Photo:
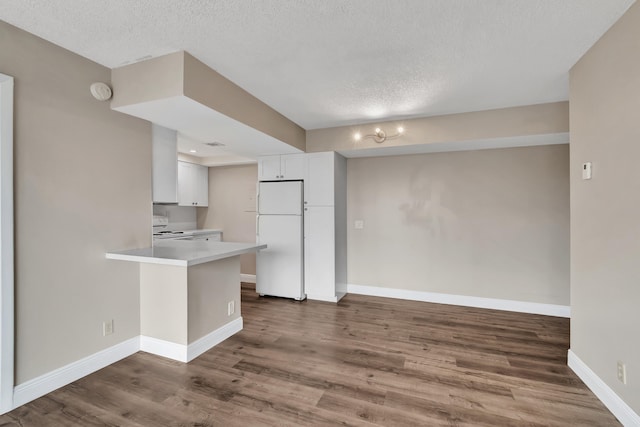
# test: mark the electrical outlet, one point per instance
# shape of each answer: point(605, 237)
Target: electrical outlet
point(622, 372)
point(107, 327)
point(231, 308)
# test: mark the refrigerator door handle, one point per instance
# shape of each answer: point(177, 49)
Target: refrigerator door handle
point(258, 225)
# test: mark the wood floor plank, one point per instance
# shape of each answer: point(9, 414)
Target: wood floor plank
point(365, 361)
point(375, 414)
point(470, 413)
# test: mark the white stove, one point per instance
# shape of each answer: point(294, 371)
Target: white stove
point(183, 232)
point(160, 223)
point(169, 234)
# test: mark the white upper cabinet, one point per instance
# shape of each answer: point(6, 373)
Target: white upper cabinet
point(269, 168)
point(193, 184)
point(282, 167)
point(164, 152)
point(319, 182)
point(202, 186)
point(292, 166)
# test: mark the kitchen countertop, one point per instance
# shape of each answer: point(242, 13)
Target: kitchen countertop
point(185, 253)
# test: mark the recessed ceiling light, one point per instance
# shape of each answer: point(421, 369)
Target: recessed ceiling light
point(192, 151)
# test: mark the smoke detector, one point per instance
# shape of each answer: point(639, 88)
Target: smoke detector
point(100, 91)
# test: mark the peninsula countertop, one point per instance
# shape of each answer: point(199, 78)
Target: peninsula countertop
point(185, 253)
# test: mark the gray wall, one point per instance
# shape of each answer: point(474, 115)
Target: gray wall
point(488, 223)
point(605, 211)
point(82, 187)
point(232, 207)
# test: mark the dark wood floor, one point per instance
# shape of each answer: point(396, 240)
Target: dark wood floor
point(365, 361)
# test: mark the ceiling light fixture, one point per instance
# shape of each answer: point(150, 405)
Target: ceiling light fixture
point(192, 151)
point(379, 136)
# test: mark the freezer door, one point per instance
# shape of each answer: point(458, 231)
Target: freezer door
point(279, 268)
point(280, 198)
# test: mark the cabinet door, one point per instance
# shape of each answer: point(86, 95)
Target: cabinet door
point(319, 253)
point(193, 184)
point(186, 179)
point(319, 181)
point(268, 168)
point(292, 166)
point(201, 185)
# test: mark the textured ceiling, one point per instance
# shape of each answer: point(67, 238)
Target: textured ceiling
point(330, 63)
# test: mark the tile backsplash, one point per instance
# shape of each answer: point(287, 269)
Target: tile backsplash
point(180, 217)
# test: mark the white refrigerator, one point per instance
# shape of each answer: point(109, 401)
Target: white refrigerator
point(279, 224)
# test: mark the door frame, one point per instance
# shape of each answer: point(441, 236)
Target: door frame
point(6, 245)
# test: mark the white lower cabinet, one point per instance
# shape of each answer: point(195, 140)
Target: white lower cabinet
point(193, 184)
point(319, 253)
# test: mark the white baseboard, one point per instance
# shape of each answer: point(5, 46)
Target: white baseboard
point(211, 340)
point(326, 298)
point(37, 387)
point(186, 353)
point(467, 301)
point(163, 348)
point(248, 278)
point(611, 400)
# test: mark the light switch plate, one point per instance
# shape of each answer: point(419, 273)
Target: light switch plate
point(586, 170)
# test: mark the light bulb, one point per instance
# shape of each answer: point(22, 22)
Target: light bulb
point(400, 129)
point(357, 136)
point(377, 130)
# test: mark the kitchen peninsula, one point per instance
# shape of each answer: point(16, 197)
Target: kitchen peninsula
point(189, 294)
